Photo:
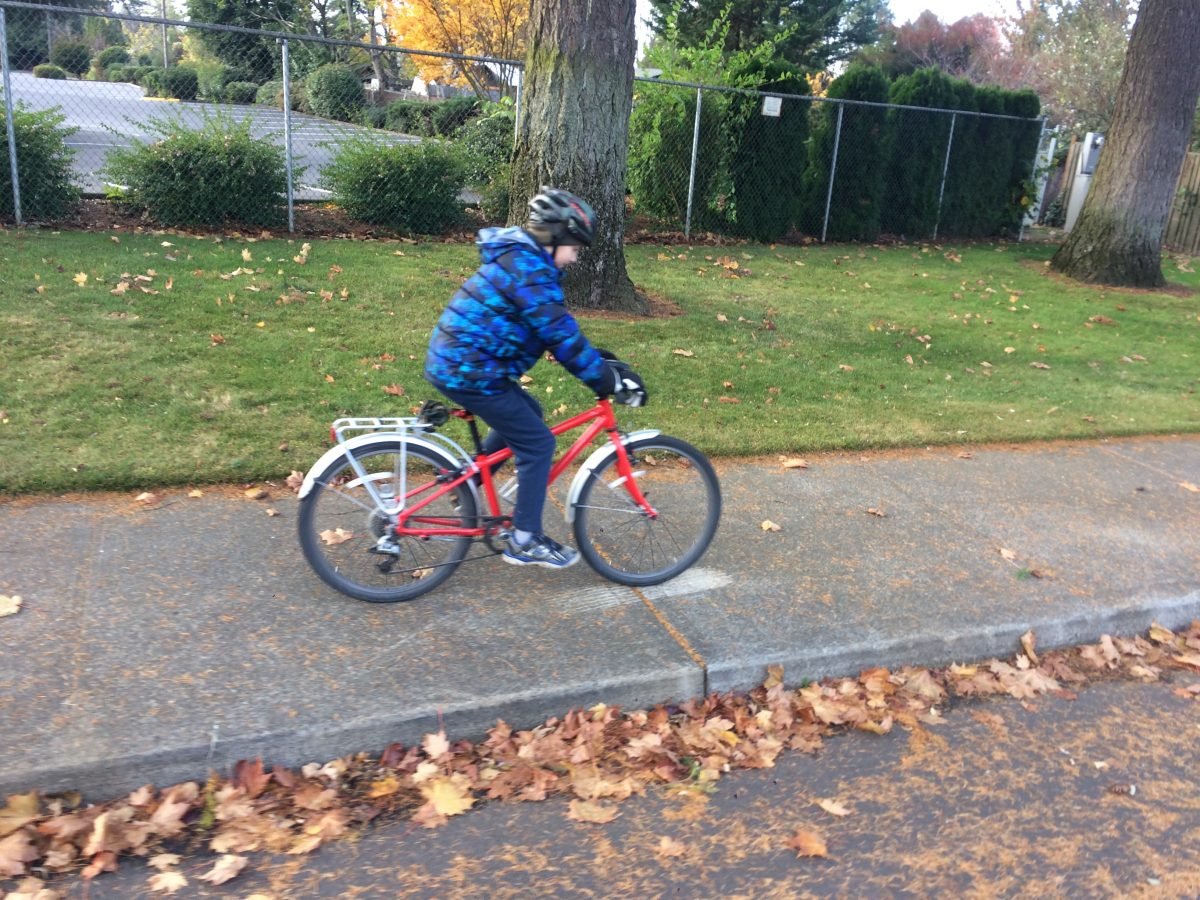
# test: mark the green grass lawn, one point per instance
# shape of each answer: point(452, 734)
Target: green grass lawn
point(218, 353)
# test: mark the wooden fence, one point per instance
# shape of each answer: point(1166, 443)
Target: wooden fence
point(1183, 227)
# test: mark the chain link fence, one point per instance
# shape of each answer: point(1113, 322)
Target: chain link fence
point(193, 124)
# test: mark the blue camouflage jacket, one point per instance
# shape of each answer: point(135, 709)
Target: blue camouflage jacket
point(504, 317)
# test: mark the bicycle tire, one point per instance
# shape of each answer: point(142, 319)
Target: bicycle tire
point(624, 544)
point(340, 522)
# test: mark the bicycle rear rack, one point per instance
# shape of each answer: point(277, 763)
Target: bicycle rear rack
point(386, 424)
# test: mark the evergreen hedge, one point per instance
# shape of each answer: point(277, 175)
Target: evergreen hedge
point(768, 155)
point(660, 155)
point(864, 150)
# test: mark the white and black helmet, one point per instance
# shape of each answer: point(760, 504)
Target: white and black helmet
point(567, 219)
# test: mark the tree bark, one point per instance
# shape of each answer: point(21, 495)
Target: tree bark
point(1118, 237)
point(573, 134)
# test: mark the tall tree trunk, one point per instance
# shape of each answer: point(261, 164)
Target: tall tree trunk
point(573, 133)
point(1118, 237)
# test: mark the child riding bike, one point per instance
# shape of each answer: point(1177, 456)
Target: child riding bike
point(497, 326)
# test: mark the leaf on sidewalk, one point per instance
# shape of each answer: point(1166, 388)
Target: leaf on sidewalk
point(336, 536)
point(1188, 486)
point(768, 525)
point(9, 606)
point(670, 847)
point(833, 807)
point(807, 843)
point(168, 882)
point(594, 813)
point(793, 462)
point(225, 869)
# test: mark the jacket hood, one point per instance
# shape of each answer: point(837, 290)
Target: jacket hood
point(493, 242)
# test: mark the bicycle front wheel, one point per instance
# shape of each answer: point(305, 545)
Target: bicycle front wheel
point(621, 541)
point(347, 512)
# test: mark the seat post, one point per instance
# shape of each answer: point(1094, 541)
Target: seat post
point(474, 433)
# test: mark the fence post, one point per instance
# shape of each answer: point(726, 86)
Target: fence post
point(517, 116)
point(166, 53)
point(287, 136)
point(945, 169)
point(687, 224)
point(837, 140)
point(8, 119)
point(1038, 180)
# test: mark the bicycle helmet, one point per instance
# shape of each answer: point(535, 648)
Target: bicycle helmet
point(563, 217)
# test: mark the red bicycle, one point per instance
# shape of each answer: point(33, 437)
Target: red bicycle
point(394, 507)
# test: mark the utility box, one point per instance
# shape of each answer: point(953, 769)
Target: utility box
point(1089, 158)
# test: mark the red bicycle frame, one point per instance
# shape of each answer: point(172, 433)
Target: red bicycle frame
point(599, 418)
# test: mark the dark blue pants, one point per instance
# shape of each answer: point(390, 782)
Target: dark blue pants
point(516, 420)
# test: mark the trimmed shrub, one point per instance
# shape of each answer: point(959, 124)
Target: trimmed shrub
point(408, 187)
point(410, 117)
point(271, 94)
point(770, 154)
point(496, 196)
point(487, 145)
point(213, 79)
point(137, 74)
point(117, 72)
point(178, 82)
point(213, 176)
point(964, 208)
point(374, 117)
point(49, 70)
point(863, 153)
point(918, 152)
point(181, 82)
point(334, 92)
point(73, 56)
point(241, 92)
point(111, 56)
point(1024, 137)
point(43, 163)
point(448, 116)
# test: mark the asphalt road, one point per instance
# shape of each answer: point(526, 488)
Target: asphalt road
point(1094, 797)
point(108, 115)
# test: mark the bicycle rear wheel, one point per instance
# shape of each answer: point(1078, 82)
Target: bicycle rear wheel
point(344, 516)
point(620, 541)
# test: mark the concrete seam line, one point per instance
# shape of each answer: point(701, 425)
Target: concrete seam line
point(677, 635)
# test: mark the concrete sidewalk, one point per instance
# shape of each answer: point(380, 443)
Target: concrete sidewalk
point(159, 642)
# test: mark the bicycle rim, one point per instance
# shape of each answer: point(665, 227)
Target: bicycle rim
point(343, 517)
point(620, 541)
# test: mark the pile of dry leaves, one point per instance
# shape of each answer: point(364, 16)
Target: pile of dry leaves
point(598, 757)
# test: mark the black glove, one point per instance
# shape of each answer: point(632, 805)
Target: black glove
point(629, 388)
